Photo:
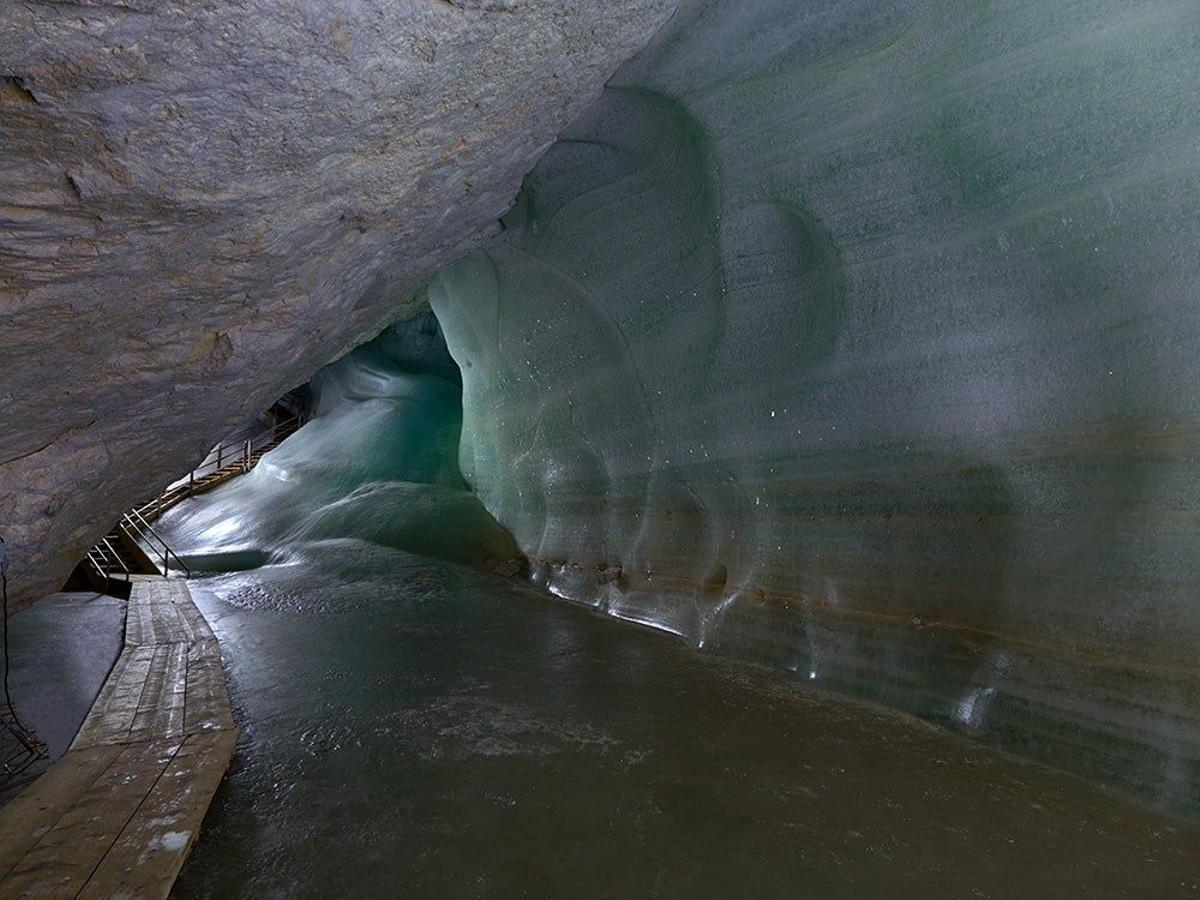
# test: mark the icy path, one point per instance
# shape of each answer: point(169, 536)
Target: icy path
point(413, 728)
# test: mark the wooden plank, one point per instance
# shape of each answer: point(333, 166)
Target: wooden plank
point(169, 719)
point(110, 684)
point(206, 707)
point(147, 857)
point(27, 818)
point(65, 857)
point(146, 604)
point(169, 589)
point(160, 713)
point(148, 612)
point(117, 815)
point(198, 626)
point(156, 691)
point(181, 627)
point(153, 612)
point(160, 621)
point(139, 610)
point(111, 721)
point(174, 614)
point(133, 619)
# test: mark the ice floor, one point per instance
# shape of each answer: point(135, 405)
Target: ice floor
point(414, 728)
point(60, 651)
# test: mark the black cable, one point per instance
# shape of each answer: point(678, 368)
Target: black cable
point(12, 710)
point(29, 749)
point(7, 695)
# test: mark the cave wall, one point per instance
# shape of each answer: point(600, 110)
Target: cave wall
point(861, 339)
point(202, 203)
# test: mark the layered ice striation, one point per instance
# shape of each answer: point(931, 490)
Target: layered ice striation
point(861, 339)
point(376, 463)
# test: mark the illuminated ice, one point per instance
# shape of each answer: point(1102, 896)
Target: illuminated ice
point(377, 462)
point(888, 312)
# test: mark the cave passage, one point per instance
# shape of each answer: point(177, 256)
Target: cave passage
point(377, 461)
point(752, 451)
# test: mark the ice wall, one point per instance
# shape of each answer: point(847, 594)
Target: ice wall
point(377, 462)
point(862, 339)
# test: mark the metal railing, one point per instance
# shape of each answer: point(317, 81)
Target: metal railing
point(241, 450)
point(138, 529)
point(112, 559)
point(96, 563)
point(104, 560)
point(227, 454)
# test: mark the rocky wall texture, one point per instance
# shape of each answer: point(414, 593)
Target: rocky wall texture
point(201, 203)
point(861, 339)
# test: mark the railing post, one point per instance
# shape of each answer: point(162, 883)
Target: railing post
point(191, 481)
point(220, 450)
point(246, 456)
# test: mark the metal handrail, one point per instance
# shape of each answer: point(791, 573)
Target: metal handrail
point(245, 446)
point(134, 525)
point(105, 562)
point(137, 522)
point(117, 556)
point(99, 569)
point(133, 532)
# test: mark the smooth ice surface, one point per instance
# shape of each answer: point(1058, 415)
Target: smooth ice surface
point(860, 339)
point(376, 461)
point(420, 729)
point(59, 653)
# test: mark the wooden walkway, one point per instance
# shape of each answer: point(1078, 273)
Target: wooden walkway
point(117, 815)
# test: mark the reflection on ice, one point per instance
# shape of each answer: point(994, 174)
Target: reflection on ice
point(223, 529)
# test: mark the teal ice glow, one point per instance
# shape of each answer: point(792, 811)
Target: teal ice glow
point(377, 463)
point(861, 340)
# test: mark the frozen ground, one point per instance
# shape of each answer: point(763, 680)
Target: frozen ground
point(415, 728)
point(60, 651)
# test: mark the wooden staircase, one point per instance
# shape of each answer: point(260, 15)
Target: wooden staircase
point(225, 461)
point(133, 550)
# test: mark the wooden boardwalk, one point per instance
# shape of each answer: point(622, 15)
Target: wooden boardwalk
point(117, 815)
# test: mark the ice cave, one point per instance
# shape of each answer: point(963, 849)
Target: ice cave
point(652, 448)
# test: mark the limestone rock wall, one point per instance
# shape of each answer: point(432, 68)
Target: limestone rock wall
point(201, 203)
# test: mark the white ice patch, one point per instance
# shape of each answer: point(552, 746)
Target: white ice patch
point(167, 842)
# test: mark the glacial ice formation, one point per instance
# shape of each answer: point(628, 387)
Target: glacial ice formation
point(861, 339)
point(377, 462)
